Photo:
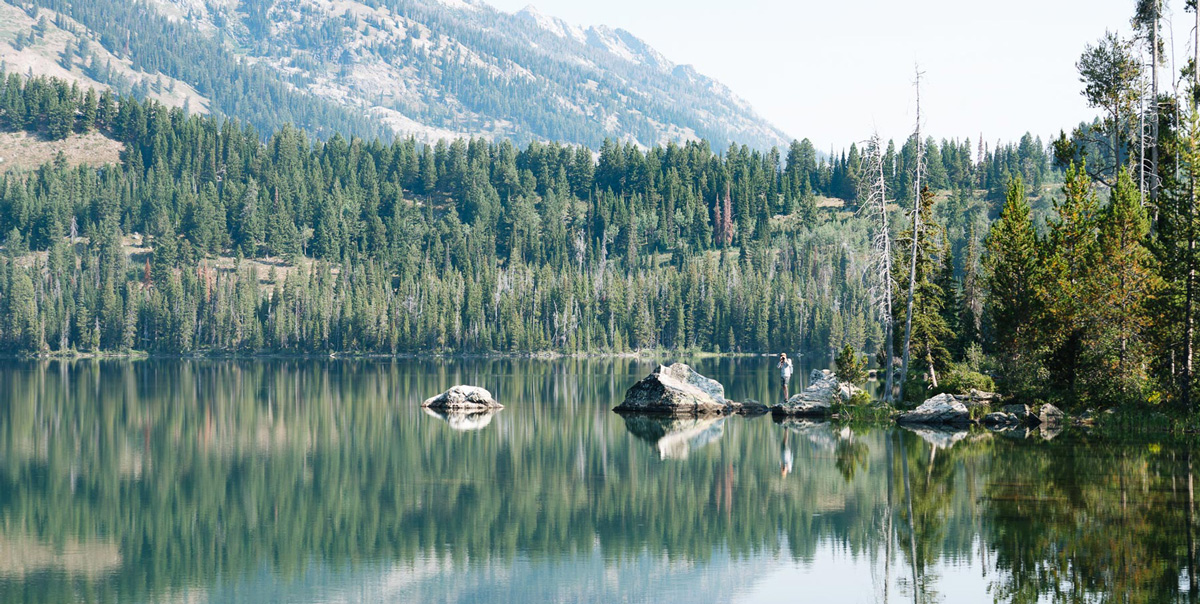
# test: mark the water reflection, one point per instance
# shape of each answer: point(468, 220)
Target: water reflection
point(324, 481)
point(675, 438)
point(462, 421)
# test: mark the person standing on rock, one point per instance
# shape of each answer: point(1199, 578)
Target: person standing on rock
point(785, 372)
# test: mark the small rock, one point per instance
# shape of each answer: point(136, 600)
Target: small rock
point(750, 407)
point(1001, 421)
point(1020, 411)
point(463, 398)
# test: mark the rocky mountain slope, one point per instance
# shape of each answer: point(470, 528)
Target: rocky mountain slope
point(429, 68)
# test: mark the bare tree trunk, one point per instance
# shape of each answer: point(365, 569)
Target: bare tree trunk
point(1154, 110)
point(877, 202)
point(915, 248)
point(1189, 332)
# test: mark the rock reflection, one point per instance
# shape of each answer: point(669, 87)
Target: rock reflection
point(675, 437)
point(819, 433)
point(462, 421)
point(937, 436)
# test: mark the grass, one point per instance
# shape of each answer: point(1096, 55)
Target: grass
point(20, 151)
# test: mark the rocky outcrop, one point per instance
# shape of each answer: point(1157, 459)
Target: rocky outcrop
point(463, 398)
point(943, 409)
point(816, 400)
point(675, 390)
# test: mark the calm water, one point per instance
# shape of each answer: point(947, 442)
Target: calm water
point(322, 481)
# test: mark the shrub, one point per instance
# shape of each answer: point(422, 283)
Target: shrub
point(850, 366)
point(960, 380)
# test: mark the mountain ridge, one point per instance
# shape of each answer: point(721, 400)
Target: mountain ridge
point(426, 68)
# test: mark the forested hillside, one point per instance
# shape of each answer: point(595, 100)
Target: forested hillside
point(371, 68)
point(460, 246)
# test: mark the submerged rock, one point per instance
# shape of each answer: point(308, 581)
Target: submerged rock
point(675, 390)
point(463, 398)
point(943, 409)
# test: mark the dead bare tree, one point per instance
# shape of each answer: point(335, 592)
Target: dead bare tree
point(874, 205)
point(916, 235)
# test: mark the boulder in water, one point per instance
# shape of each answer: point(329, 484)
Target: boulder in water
point(1050, 415)
point(943, 409)
point(675, 390)
point(463, 398)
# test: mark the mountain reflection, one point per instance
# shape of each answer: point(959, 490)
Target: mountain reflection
point(323, 480)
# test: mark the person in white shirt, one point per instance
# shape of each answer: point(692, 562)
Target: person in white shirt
point(785, 372)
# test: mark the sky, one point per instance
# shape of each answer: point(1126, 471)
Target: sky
point(834, 71)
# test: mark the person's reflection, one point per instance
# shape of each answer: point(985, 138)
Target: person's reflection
point(785, 455)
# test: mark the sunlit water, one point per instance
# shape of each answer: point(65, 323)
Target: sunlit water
point(323, 481)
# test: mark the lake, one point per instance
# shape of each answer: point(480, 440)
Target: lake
point(323, 481)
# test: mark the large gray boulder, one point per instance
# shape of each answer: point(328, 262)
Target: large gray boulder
point(943, 409)
point(816, 400)
point(675, 390)
point(1050, 415)
point(463, 398)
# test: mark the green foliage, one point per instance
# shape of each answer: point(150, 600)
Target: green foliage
point(960, 379)
point(850, 366)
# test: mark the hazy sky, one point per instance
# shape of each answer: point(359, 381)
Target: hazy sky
point(833, 71)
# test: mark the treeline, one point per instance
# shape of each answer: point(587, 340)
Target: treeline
point(462, 246)
point(466, 245)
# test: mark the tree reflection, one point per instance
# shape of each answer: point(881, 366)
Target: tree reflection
point(163, 476)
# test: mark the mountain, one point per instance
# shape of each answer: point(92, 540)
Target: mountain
point(428, 68)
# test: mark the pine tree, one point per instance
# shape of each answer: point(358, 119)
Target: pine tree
point(1011, 264)
point(1125, 284)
